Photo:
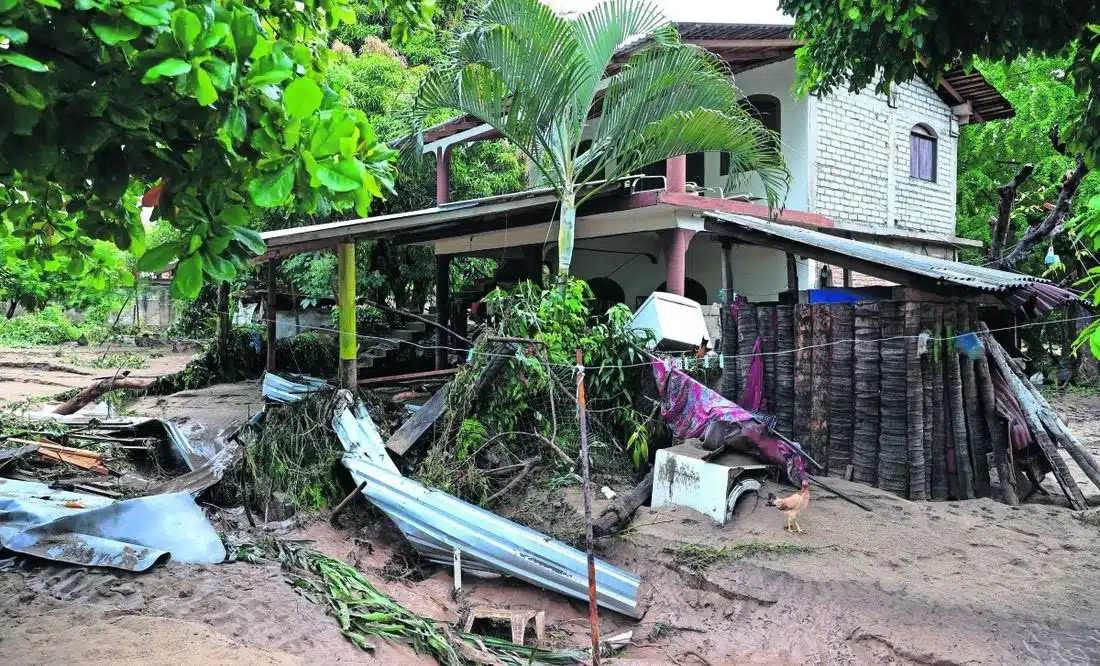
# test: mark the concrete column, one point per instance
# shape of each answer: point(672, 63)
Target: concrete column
point(345, 299)
point(442, 307)
point(269, 314)
point(676, 169)
point(676, 245)
point(792, 273)
point(443, 176)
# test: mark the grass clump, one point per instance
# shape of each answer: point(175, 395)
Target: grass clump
point(698, 557)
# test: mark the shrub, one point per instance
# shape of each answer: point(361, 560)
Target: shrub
point(50, 326)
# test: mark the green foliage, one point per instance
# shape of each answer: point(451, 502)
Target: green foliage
point(534, 76)
point(222, 101)
point(50, 326)
point(990, 154)
point(198, 318)
point(77, 282)
point(310, 353)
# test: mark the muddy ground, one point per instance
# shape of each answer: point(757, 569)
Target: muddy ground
point(971, 582)
point(41, 372)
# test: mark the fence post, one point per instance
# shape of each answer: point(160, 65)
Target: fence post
point(593, 613)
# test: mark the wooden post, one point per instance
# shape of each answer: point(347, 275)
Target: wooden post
point(593, 612)
point(867, 373)
point(442, 308)
point(975, 424)
point(958, 455)
point(1002, 450)
point(222, 329)
point(269, 314)
point(914, 404)
point(848, 278)
point(730, 378)
point(345, 300)
point(928, 325)
point(940, 487)
point(792, 274)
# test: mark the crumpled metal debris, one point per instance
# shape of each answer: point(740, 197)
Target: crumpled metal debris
point(89, 530)
point(439, 525)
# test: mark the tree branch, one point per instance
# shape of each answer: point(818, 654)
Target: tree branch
point(1002, 224)
point(1054, 221)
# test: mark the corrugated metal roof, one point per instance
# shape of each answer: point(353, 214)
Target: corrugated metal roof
point(892, 259)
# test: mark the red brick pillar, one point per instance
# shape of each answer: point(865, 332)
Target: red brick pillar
point(676, 245)
point(676, 169)
point(443, 176)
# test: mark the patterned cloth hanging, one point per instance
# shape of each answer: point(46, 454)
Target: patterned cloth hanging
point(694, 411)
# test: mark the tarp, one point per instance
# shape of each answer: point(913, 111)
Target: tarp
point(85, 529)
point(438, 524)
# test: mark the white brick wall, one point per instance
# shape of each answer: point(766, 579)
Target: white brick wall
point(860, 173)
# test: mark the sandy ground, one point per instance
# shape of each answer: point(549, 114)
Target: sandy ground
point(971, 582)
point(41, 372)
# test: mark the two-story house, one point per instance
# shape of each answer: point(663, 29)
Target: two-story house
point(869, 166)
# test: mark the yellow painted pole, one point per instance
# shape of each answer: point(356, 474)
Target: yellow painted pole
point(345, 299)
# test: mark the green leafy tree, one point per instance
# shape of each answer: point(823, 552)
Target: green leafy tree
point(537, 77)
point(221, 101)
point(31, 284)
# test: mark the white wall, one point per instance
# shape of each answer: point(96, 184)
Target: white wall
point(860, 174)
point(777, 80)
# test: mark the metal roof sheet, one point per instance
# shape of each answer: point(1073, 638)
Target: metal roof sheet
point(941, 270)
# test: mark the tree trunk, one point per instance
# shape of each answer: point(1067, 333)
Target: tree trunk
point(940, 487)
point(87, 395)
point(619, 513)
point(803, 371)
point(960, 450)
point(841, 389)
point(11, 308)
point(865, 439)
point(818, 443)
point(914, 404)
point(1087, 369)
point(975, 425)
point(893, 435)
point(566, 231)
point(784, 370)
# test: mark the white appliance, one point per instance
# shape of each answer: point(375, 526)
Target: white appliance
point(676, 322)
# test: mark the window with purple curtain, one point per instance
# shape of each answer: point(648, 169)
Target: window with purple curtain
point(922, 153)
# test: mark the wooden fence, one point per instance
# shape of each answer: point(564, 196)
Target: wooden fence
point(856, 386)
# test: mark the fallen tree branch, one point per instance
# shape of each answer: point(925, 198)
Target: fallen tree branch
point(621, 511)
point(121, 381)
point(528, 465)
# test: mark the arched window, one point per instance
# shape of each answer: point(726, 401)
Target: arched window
point(766, 109)
point(693, 290)
point(607, 293)
point(922, 153)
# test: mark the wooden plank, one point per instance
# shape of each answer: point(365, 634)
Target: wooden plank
point(893, 434)
point(928, 326)
point(1031, 412)
point(865, 436)
point(11, 454)
point(803, 371)
point(411, 430)
point(940, 488)
point(975, 423)
point(412, 376)
point(784, 369)
point(914, 404)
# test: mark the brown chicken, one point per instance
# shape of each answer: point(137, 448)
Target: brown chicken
point(794, 505)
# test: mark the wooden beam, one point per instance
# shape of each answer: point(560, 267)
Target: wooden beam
point(408, 377)
point(442, 308)
point(744, 44)
point(792, 272)
point(345, 278)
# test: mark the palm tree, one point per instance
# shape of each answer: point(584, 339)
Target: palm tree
point(538, 78)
